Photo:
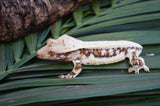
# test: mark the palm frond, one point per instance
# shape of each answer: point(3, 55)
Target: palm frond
point(28, 80)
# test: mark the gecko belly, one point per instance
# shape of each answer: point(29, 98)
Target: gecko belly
point(92, 60)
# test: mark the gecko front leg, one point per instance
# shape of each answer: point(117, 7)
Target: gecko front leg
point(76, 70)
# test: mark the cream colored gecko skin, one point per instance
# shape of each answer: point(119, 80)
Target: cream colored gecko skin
point(67, 48)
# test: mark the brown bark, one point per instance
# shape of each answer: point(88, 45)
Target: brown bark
point(21, 17)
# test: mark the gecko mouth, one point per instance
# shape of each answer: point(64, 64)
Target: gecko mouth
point(39, 55)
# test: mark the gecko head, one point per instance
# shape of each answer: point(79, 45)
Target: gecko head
point(47, 52)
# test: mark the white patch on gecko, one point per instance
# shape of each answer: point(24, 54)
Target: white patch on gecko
point(111, 51)
point(103, 51)
point(92, 60)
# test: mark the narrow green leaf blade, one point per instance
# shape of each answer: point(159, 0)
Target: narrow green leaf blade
point(151, 36)
point(3, 75)
point(9, 55)
point(146, 17)
point(25, 59)
point(95, 6)
point(18, 47)
point(31, 42)
point(42, 36)
point(78, 14)
point(3, 62)
point(56, 28)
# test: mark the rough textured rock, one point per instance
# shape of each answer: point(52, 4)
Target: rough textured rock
point(21, 17)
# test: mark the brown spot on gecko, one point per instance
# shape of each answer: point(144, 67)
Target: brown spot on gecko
point(81, 51)
point(114, 51)
point(125, 50)
point(107, 53)
point(63, 43)
point(119, 49)
point(78, 66)
point(138, 48)
point(133, 58)
point(78, 59)
point(50, 43)
point(67, 54)
point(72, 73)
point(66, 59)
point(86, 52)
point(140, 62)
point(69, 76)
point(90, 50)
point(134, 55)
point(135, 62)
point(97, 52)
point(58, 55)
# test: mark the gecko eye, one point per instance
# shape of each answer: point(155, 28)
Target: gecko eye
point(51, 53)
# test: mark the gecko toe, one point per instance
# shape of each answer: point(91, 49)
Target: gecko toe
point(146, 68)
point(61, 76)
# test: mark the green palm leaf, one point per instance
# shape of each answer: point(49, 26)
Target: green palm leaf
point(27, 80)
point(3, 61)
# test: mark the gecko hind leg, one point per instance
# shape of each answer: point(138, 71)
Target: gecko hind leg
point(137, 64)
point(76, 70)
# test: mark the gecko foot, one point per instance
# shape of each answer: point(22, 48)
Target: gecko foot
point(137, 64)
point(76, 70)
point(66, 76)
point(146, 68)
point(135, 69)
point(61, 76)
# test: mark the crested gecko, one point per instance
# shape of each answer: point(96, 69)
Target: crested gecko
point(67, 48)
